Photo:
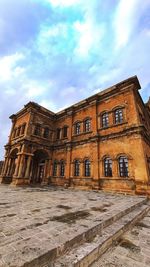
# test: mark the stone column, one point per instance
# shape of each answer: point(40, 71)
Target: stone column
point(27, 171)
point(8, 168)
point(20, 172)
point(17, 165)
point(46, 173)
point(115, 168)
point(5, 166)
point(68, 165)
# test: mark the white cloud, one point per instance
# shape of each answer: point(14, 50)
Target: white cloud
point(48, 104)
point(125, 20)
point(89, 36)
point(8, 68)
point(33, 89)
point(63, 3)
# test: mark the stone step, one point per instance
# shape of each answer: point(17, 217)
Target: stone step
point(48, 250)
point(87, 253)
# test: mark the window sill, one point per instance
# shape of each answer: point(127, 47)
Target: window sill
point(113, 125)
point(75, 135)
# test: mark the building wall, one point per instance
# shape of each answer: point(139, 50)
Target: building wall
point(130, 138)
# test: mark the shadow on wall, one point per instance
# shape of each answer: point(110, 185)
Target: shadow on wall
point(1, 165)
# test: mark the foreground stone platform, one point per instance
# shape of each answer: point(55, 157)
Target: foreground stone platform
point(132, 250)
point(39, 226)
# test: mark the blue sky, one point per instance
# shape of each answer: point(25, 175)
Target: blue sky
point(57, 52)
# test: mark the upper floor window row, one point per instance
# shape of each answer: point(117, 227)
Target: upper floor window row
point(42, 131)
point(117, 115)
point(19, 130)
point(62, 132)
point(86, 126)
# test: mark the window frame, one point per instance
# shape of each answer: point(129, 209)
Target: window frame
point(107, 165)
point(55, 168)
point(123, 165)
point(118, 115)
point(87, 168)
point(58, 134)
point(65, 131)
point(46, 132)
point(37, 130)
point(77, 128)
point(105, 119)
point(87, 125)
point(62, 168)
point(76, 168)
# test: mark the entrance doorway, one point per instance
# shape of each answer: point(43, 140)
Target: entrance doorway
point(39, 167)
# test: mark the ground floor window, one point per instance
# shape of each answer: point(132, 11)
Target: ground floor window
point(87, 167)
point(123, 167)
point(62, 168)
point(108, 167)
point(76, 168)
point(55, 168)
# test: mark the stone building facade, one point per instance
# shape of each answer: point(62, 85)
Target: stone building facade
point(102, 142)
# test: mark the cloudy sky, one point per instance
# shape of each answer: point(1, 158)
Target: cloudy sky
point(57, 52)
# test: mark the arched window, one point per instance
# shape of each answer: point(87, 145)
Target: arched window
point(118, 115)
point(76, 168)
point(123, 166)
point(62, 168)
point(105, 119)
point(87, 166)
point(37, 130)
point(46, 132)
point(87, 125)
point(108, 167)
point(77, 128)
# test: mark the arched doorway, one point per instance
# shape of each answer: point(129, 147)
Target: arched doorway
point(39, 166)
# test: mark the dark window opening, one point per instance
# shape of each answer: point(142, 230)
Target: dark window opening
point(123, 167)
point(58, 133)
point(76, 168)
point(87, 165)
point(23, 128)
point(108, 167)
point(46, 133)
point(65, 131)
point(87, 125)
point(77, 128)
point(55, 168)
point(37, 130)
point(62, 168)
point(105, 120)
point(118, 116)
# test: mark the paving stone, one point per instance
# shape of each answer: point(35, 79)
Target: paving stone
point(127, 256)
point(33, 220)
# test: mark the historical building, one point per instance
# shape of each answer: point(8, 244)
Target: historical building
point(102, 142)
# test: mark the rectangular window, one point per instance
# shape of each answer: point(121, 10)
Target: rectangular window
point(58, 133)
point(55, 169)
point(65, 131)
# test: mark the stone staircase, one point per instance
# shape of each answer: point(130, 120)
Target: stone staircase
point(86, 248)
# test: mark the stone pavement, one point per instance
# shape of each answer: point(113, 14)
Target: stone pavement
point(35, 220)
point(132, 250)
